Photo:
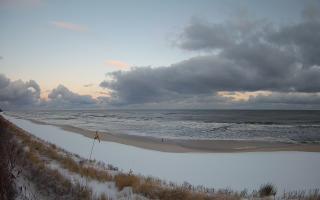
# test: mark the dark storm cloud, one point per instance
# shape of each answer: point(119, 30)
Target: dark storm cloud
point(201, 35)
point(242, 55)
point(197, 76)
point(4, 81)
point(304, 37)
point(18, 93)
point(276, 98)
point(63, 97)
point(25, 95)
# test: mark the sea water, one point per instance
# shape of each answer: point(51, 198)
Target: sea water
point(266, 125)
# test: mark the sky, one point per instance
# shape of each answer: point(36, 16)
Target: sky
point(168, 54)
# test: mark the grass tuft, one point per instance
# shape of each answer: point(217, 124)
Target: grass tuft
point(127, 180)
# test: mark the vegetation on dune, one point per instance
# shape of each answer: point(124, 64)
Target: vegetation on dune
point(7, 163)
point(302, 194)
point(51, 182)
point(20, 159)
point(51, 151)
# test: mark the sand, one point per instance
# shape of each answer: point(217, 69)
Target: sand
point(184, 146)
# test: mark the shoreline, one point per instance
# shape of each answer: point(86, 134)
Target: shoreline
point(191, 146)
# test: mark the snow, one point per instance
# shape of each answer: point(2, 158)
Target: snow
point(287, 170)
point(27, 190)
point(98, 188)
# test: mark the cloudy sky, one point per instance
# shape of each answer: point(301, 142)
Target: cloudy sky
point(206, 54)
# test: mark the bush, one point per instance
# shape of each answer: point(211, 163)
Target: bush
point(267, 190)
point(127, 180)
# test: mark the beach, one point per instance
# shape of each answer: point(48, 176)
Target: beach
point(188, 145)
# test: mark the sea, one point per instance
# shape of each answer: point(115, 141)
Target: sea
point(291, 126)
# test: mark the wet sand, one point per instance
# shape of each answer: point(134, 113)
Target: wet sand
point(183, 146)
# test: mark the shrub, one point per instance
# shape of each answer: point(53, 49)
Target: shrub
point(267, 190)
point(127, 180)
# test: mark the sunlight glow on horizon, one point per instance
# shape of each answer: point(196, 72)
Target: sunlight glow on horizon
point(242, 96)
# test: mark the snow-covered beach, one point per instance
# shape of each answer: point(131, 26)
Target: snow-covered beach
point(287, 170)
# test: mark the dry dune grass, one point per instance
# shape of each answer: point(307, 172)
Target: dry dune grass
point(155, 189)
point(50, 181)
point(26, 160)
point(51, 151)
